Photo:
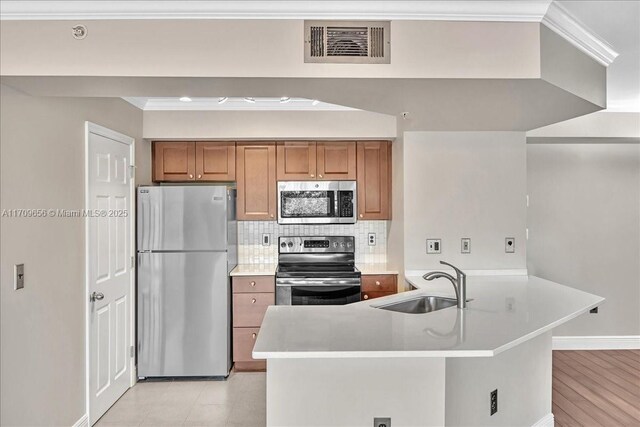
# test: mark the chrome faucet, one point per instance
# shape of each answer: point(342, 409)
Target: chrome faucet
point(459, 283)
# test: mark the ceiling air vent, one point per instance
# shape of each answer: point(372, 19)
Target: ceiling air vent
point(356, 42)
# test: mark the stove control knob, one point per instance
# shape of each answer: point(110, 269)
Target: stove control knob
point(342, 244)
point(290, 244)
point(348, 244)
point(335, 244)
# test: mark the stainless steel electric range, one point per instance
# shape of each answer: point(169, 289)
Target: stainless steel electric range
point(317, 271)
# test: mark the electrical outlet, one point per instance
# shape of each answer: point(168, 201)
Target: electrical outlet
point(494, 401)
point(372, 239)
point(434, 246)
point(18, 276)
point(510, 245)
point(266, 239)
point(465, 245)
point(381, 422)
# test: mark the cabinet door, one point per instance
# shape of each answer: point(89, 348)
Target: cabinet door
point(374, 180)
point(296, 161)
point(174, 161)
point(256, 181)
point(215, 161)
point(336, 160)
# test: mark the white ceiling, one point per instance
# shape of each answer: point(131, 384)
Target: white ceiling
point(231, 103)
point(617, 22)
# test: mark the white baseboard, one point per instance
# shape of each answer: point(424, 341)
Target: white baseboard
point(546, 421)
point(612, 342)
point(82, 422)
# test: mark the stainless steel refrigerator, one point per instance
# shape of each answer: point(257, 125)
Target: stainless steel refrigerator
point(187, 246)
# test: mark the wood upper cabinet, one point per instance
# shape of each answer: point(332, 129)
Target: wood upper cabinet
point(256, 181)
point(336, 160)
point(296, 161)
point(174, 161)
point(374, 180)
point(309, 161)
point(194, 161)
point(215, 161)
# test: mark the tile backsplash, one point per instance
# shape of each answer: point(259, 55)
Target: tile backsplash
point(252, 251)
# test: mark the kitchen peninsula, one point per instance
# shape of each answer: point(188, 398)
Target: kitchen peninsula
point(345, 365)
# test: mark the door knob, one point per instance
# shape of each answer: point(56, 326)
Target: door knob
point(312, 175)
point(361, 216)
point(253, 300)
point(254, 335)
point(366, 296)
point(190, 176)
point(199, 176)
point(96, 296)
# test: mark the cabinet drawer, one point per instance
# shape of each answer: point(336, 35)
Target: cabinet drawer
point(373, 295)
point(379, 283)
point(243, 342)
point(251, 284)
point(249, 309)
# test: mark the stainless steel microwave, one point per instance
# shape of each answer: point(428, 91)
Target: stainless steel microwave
point(317, 202)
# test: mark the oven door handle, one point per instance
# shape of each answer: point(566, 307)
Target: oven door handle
point(318, 282)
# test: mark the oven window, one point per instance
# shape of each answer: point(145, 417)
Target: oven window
point(307, 204)
point(324, 295)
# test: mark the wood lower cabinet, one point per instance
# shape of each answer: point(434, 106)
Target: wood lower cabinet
point(256, 182)
point(215, 161)
point(194, 161)
point(174, 161)
point(296, 161)
point(374, 180)
point(252, 295)
point(379, 285)
point(336, 160)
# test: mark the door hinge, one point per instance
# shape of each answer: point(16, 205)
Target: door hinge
point(132, 171)
point(132, 351)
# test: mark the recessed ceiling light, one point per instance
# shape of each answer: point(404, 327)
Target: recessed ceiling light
point(315, 102)
point(223, 99)
point(284, 99)
point(185, 99)
point(250, 100)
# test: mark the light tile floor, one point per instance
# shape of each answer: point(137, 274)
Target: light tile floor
point(238, 401)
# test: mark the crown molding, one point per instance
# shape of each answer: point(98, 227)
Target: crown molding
point(560, 21)
point(481, 10)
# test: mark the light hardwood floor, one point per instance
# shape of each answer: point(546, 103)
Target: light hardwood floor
point(596, 388)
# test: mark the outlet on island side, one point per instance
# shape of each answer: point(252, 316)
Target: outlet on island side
point(266, 239)
point(494, 402)
point(372, 239)
point(381, 422)
point(510, 245)
point(465, 245)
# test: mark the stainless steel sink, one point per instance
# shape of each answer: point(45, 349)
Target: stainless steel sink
point(419, 305)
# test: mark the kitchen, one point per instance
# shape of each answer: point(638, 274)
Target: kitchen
point(290, 214)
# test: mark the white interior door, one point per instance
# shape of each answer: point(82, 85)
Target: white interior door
point(109, 251)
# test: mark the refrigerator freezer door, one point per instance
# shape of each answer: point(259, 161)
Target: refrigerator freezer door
point(182, 218)
point(183, 314)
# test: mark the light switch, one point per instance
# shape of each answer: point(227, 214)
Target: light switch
point(18, 276)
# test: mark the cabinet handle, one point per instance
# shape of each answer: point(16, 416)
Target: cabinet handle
point(271, 215)
point(361, 216)
point(199, 176)
point(319, 176)
point(190, 176)
point(377, 283)
point(312, 175)
point(366, 296)
point(254, 335)
point(253, 300)
point(253, 283)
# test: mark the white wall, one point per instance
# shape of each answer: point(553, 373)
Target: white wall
point(464, 184)
point(584, 228)
point(42, 379)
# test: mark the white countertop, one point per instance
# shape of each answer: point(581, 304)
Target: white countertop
point(270, 269)
point(377, 268)
point(505, 311)
point(254, 270)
